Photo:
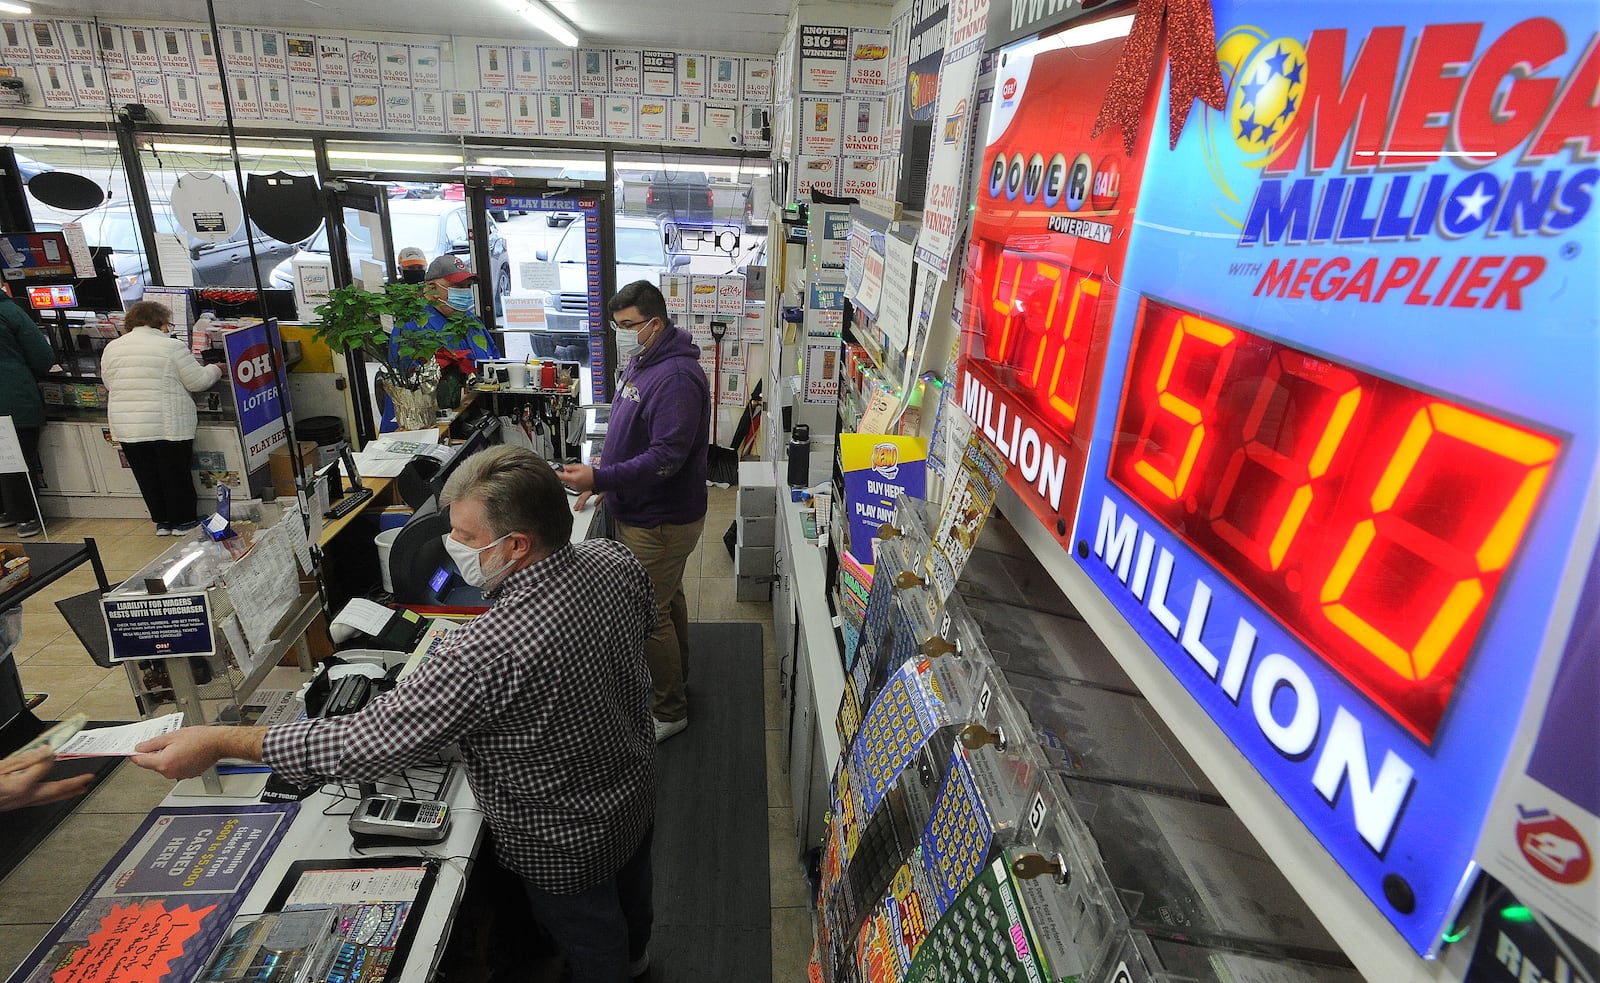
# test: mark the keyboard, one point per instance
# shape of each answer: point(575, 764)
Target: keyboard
point(349, 503)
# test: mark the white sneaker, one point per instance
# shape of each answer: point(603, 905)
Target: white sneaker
point(670, 728)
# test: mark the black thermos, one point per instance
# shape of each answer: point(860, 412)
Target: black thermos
point(799, 456)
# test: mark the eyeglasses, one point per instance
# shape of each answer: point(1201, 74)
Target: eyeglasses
point(631, 325)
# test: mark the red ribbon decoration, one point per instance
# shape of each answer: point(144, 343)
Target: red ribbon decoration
point(1192, 53)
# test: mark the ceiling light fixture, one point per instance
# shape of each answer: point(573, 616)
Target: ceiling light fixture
point(15, 8)
point(546, 20)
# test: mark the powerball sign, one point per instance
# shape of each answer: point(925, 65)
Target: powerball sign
point(255, 390)
point(1342, 475)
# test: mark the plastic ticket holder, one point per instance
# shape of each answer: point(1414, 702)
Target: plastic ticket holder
point(1187, 869)
point(1087, 732)
point(916, 517)
point(1067, 903)
point(1141, 957)
point(1026, 642)
point(1006, 762)
point(995, 575)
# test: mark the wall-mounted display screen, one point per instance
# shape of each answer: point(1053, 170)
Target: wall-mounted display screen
point(1317, 487)
point(52, 298)
point(1342, 475)
point(1054, 214)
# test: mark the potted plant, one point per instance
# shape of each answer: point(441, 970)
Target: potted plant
point(356, 319)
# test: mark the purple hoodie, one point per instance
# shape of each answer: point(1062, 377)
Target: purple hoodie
point(653, 467)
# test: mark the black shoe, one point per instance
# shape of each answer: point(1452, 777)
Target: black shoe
point(7, 520)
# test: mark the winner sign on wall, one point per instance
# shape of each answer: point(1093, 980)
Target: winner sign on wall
point(1342, 479)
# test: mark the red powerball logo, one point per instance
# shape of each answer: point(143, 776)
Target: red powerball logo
point(1553, 846)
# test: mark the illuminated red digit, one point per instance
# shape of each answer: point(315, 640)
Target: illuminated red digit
point(1311, 450)
point(1052, 274)
point(1066, 379)
point(1189, 414)
point(1418, 457)
point(1007, 308)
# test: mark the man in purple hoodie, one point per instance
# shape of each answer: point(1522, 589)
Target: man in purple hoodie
point(653, 477)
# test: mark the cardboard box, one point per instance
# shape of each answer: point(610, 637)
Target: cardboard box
point(752, 589)
point(282, 468)
point(753, 561)
point(757, 530)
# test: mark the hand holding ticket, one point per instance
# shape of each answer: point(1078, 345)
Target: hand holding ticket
point(117, 742)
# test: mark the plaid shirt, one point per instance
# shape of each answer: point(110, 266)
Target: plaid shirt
point(548, 696)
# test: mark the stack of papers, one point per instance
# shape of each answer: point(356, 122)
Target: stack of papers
point(387, 456)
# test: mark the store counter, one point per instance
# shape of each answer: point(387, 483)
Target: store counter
point(320, 832)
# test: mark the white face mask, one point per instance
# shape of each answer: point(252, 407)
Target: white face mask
point(468, 560)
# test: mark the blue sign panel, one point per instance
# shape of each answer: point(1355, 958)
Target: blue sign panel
point(256, 391)
point(1348, 434)
point(158, 626)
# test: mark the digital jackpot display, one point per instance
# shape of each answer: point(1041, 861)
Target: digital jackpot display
point(1342, 475)
point(1054, 211)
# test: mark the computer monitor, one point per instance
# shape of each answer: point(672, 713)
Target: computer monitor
point(486, 433)
point(419, 565)
point(53, 297)
point(28, 256)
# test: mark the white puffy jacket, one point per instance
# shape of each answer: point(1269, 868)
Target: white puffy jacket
point(150, 375)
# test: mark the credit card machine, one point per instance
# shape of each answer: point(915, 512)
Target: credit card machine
point(412, 819)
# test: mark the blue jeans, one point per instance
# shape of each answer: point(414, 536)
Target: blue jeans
point(601, 930)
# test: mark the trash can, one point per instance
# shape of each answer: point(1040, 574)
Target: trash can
point(385, 542)
point(327, 432)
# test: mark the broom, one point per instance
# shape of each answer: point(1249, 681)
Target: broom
point(722, 463)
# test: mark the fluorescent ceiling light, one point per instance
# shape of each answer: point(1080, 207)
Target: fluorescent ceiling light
point(546, 20)
point(15, 8)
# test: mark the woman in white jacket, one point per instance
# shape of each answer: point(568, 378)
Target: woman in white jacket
point(150, 376)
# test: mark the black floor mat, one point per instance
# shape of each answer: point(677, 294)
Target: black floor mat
point(713, 907)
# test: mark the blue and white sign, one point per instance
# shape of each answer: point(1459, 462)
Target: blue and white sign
point(261, 401)
point(158, 626)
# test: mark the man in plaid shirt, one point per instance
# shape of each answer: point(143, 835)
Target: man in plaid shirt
point(547, 695)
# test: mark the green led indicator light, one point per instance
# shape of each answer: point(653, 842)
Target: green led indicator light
point(1516, 913)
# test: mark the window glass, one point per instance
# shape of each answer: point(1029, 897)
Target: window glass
point(167, 157)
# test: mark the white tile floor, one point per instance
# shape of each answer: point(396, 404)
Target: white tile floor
point(51, 660)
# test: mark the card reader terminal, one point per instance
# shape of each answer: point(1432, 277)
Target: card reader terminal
point(390, 815)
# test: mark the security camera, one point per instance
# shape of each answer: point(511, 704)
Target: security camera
point(733, 138)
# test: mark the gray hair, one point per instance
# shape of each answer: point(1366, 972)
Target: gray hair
point(519, 492)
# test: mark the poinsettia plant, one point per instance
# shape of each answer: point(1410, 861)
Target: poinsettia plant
point(357, 319)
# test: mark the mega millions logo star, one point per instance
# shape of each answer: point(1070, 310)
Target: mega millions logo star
point(1266, 79)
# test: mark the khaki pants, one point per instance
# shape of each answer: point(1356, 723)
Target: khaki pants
point(663, 552)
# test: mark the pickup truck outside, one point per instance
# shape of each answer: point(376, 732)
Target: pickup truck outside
point(682, 195)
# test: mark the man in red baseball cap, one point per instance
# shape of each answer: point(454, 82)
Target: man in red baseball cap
point(450, 289)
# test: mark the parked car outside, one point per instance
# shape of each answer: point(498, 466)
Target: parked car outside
point(458, 192)
point(413, 189)
point(215, 264)
point(683, 195)
point(433, 225)
point(640, 255)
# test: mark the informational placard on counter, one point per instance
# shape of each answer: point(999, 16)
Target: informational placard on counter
point(158, 626)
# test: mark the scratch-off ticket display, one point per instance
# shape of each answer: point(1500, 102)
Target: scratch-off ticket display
point(982, 935)
point(899, 722)
point(956, 842)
